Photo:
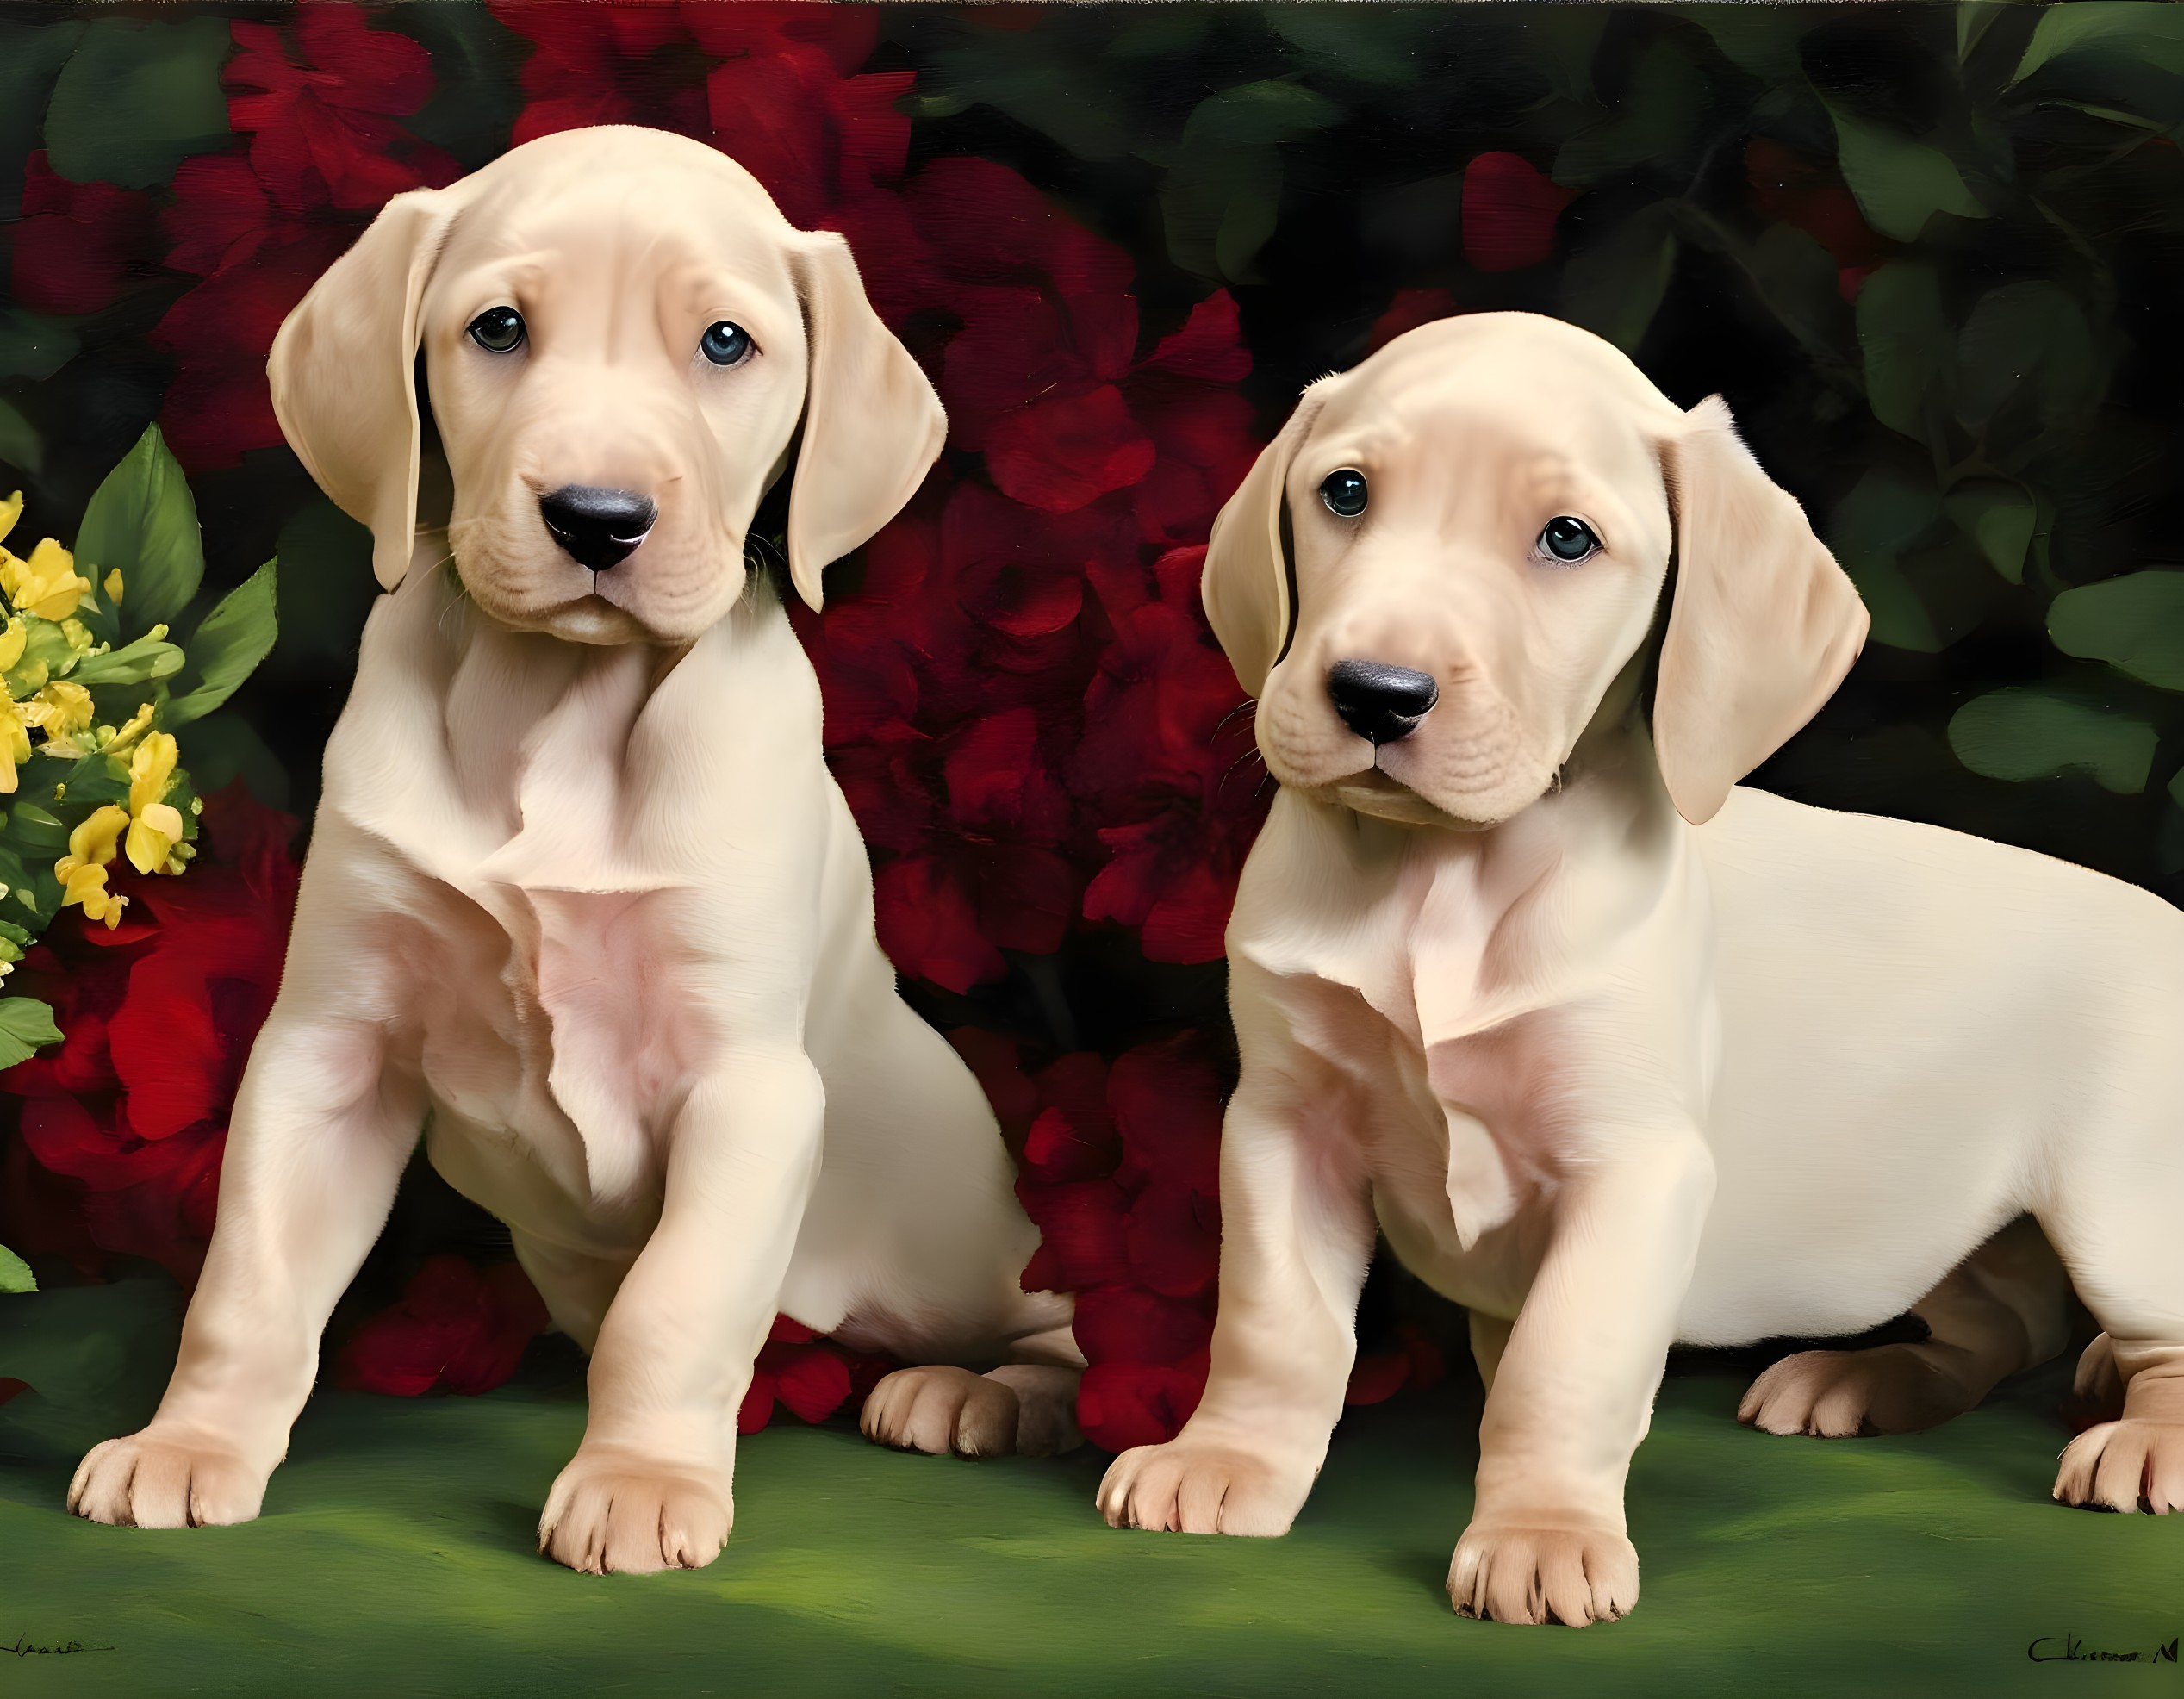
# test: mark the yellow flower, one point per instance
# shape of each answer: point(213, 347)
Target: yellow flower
point(46, 584)
point(11, 642)
point(152, 834)
point(94, 843)
point(60, 709)
point(113, 587)
point(151, 771)
point(10, 511)
point(115, 741)
point(87, 888)
point(14, 742)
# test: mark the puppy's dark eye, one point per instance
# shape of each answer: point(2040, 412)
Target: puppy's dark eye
point(1344, 492)
point(724, 344)
point(498, 330)
point(1569, 539)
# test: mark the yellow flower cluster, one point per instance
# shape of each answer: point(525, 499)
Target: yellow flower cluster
point(45, 586)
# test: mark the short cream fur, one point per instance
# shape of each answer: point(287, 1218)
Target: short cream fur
point(581, 887)
point(1616, 1054)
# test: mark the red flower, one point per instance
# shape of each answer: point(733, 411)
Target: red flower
point(77, 244)
point(813, 1377)
point(1409, 310)
point(317, 96)
point(1509, 213)
point(1806, 193)
point(159, 1015)
point(455, 1328)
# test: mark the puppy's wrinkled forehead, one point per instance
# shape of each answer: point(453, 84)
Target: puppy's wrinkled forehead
point(681, 236)
point(1501, 408)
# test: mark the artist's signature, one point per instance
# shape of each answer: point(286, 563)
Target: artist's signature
point(27, 1647)
point(2069, 1649)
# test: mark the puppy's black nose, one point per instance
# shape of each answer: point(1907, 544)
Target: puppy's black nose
point(1379, 703)
point(598, 528)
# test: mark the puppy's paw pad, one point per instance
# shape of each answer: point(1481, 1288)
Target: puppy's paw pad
point(154, 1479)
point(2127, 1466)
point(938, 1410)
point(1195, 1486)
point(1509, 1572)
point(1834, 1395)
point(610, 1514)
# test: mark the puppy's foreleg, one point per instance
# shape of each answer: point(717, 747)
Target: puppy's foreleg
point(1296, 1234)
point(316, 1147)
point(1573, 1391)
point(651, 1486)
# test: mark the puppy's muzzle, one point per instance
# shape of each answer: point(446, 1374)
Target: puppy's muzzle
point(1381, 704)
point(598, 528)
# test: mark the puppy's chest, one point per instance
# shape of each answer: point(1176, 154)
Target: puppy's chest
point(554, 1031)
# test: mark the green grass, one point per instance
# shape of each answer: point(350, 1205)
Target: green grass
point(395, 1557)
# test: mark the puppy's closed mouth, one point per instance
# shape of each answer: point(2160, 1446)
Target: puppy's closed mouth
point(1374, 791)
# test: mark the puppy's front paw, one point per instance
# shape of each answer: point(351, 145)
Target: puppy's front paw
point(2130, 1464)
point(1834, 1395)
point(1507, 1572)
point(165, 1479)
point(614, 1513)
point(1199, 1486)
point(940, 1409)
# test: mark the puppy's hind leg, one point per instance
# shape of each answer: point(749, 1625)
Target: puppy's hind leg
point(2004, 1309)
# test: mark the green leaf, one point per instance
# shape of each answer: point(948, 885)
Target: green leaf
point(1656, 124)
point(14, 1273)
point(327, 591)
point(1872, 528)
point(138, 663)
point(1796, 277)
point(2151, 33)
point(136, 98)
point(1381, 46)
point(25, 1024)
point(1997, 515)
point(1615, 287)
point(2026, 731)
point(223, 747)
point(37, 827)
point(1906, 339)
point(1221, 197)
point(33, 347)
point(2029, 337)
point(1899, 184)
point(2135, 623)
point(227, 647)
point(21, 445)
point(1759, 40)
point(143, 520)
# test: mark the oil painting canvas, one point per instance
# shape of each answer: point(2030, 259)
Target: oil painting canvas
point(1100, 849)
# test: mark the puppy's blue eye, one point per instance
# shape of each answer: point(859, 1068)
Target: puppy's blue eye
point(1569, 539)
point(498, 330)
point(1344, 492)
point(724, 344)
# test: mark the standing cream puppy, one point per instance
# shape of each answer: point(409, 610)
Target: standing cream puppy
point(582, 900)
point(1614, 1054)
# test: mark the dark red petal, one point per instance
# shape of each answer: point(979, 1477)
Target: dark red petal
point(1509, 213)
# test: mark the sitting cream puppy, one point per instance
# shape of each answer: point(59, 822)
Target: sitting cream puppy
point(1615, 1055)
point(582, 897)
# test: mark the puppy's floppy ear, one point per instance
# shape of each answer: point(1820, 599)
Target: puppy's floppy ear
point(873, 426)
point(1765, 624)
point(343, 373)
point(1246, 586)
